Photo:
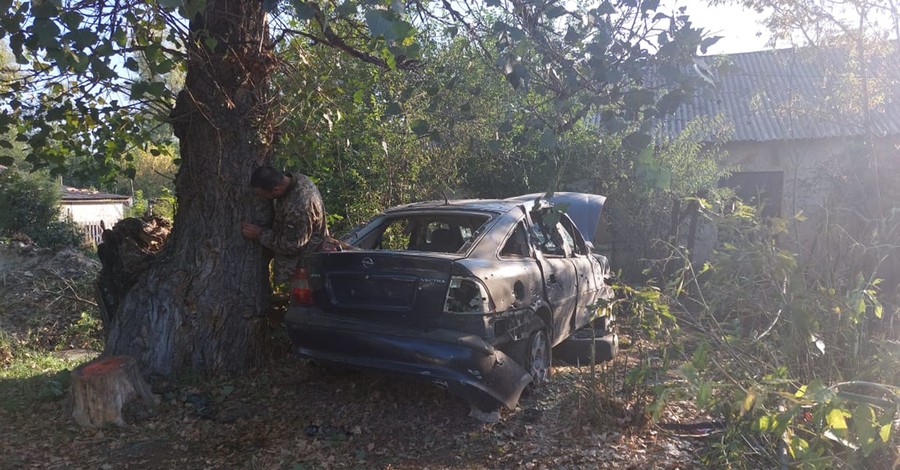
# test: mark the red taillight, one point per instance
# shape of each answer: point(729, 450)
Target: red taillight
point(300, 287)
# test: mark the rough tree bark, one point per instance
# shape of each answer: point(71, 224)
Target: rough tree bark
point(196, 307)
point(103, 388)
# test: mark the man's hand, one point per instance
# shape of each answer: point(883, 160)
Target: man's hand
point(250, 231)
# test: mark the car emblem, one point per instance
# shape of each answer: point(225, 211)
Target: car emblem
point(367, 263)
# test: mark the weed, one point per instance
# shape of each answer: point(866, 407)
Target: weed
point(791, 354)
point(31, 376)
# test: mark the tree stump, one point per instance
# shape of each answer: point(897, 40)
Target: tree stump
point(100, 388)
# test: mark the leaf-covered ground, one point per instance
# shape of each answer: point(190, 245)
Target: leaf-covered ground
point(298, 415)
point(293, 414)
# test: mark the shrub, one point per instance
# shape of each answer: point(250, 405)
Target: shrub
point(791, 352)
point(29, 205)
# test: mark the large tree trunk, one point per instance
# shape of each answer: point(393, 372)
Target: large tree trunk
point(196, 308)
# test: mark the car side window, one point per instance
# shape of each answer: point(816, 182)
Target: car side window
point(517, 244)
point(569, 237)
point(572, 233)
point(395, 236)
point(546, 238)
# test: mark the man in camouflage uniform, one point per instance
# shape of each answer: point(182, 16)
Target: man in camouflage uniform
point(299, 224)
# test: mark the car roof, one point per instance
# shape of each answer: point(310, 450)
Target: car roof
point(583, 208)
point(491, 205)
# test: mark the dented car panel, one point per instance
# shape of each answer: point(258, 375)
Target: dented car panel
point(450, 292)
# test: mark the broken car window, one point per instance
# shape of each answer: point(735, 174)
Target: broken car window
point(517, 244)
point(434, 232)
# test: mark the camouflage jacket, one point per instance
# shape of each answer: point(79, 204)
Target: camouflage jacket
point(298, 227)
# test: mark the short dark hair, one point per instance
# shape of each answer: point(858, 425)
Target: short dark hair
point(265, 178)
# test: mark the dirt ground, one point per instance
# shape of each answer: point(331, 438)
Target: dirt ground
point(301, 416)
point(298, 415)
point(43, 295)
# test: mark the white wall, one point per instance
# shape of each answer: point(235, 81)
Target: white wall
point(89, 216)
point(109, 213)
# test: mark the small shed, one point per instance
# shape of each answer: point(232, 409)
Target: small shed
point(92, 210)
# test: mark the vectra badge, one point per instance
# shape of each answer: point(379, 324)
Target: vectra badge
point(367, 263)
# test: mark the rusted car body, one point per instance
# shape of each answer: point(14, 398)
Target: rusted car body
point(470, 295)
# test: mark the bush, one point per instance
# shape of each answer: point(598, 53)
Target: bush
point(797, 357)
point(29, 205)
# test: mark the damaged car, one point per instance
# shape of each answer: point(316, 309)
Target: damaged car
point(471, 295)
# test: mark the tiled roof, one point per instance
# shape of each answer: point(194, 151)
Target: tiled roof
point(70, 194)
point(793, 94)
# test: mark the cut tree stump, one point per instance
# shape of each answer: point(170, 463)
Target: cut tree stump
point(101, 387)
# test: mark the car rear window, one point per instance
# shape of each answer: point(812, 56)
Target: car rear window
point(431, 232)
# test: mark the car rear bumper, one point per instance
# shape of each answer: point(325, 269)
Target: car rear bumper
point(463, 363)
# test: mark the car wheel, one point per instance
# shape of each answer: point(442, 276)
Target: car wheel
point(538, 358)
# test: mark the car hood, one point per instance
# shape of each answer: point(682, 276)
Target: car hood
point(584, 209)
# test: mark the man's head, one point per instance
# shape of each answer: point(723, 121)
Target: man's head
point(269, 183)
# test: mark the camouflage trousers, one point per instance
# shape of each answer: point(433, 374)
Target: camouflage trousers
point(283, 268)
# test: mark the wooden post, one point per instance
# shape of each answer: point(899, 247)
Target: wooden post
point(100, 388)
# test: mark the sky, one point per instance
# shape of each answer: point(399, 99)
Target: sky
point(739, 28)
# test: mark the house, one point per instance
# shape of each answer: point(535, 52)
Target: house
point(814, 134)
point(92, 210)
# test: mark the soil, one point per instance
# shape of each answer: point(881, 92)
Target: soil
point(44, 294)
point(297, 415)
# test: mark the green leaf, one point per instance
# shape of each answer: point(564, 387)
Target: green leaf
point(572, 36)
point(47, 33)
point(83, 38)
point(670, 102)
point(836, 418)
point(132, 64)
point(138, 89)
point(636, 141)
point(304, 11)
point(420, 127)
point(43, 9)
point(748, 402)
point(7, 160)
point(516, 74)
point(701, 356)
point(393, 109)
point(555, 11)
point(385, 24)
point(704, 394)
point(638, 98)
point(548, 140)
point(885, 433)
point(348, 8)
point(194, 7)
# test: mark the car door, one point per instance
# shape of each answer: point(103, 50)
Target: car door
point(558, 269)
point(587, 270)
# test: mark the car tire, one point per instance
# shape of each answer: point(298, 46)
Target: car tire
point(538, 357)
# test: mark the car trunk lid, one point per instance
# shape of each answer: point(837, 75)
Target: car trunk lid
point(394, 285)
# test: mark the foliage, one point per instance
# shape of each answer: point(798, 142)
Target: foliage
point(24, 377)
point(29, 205)
point(654, 196)
point(791, 354)
point(84, 333)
